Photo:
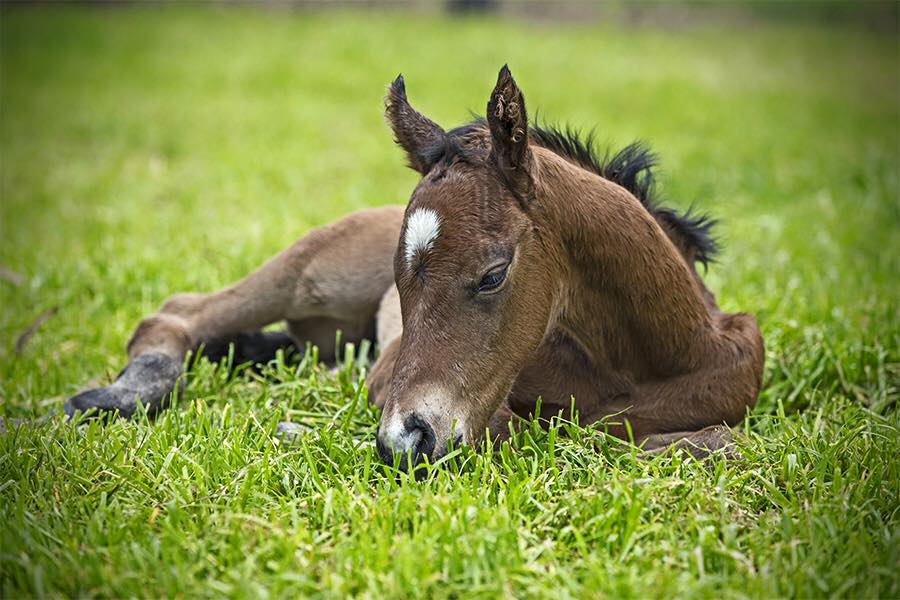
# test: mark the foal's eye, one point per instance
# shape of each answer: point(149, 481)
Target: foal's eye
point(493, 279)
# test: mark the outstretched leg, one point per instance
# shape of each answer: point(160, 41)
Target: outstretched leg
point(333, 278)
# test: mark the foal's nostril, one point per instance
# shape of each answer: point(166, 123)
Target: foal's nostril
point(421, 436)
point(414, 439)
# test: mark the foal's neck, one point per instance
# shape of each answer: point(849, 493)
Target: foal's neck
point(627, 294)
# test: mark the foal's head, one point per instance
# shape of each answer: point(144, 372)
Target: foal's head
point(475, 281)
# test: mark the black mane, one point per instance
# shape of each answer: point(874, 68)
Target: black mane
point(630, 167)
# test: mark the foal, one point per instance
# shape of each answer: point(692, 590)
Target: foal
point(523, 266)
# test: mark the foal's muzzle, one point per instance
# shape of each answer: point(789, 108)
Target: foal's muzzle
point(412, 442)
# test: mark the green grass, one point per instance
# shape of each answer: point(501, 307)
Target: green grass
point(146, 152)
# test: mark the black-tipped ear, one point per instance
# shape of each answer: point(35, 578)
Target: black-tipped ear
point(415, 133)
point(508, 122)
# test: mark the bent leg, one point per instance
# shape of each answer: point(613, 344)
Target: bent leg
point(378, 381)
point(685, 410)
point(690, 410)
point(389, 325)
point(699, 444)
point(338, 272)
point(717, 394)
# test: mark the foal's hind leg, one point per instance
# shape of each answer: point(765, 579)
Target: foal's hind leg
point(337, 274)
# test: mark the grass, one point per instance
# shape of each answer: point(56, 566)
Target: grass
point(150, 151)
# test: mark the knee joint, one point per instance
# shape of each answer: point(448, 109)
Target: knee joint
point(162, 333)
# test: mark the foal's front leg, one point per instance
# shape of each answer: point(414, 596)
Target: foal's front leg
point(336, 274)
point(693, 411)
point(699, 444)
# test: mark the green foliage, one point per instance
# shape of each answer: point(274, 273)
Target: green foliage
point(146, 152)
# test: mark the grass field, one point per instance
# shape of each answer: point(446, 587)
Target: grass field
point(145, 152)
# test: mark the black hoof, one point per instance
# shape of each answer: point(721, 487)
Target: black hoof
point(100, 401)
point(148, 379)
point(256, 348)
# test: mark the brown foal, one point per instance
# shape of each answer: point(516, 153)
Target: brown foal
point(523, 266)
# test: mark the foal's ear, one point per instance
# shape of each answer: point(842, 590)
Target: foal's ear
point(508, 122)
point(421, 137)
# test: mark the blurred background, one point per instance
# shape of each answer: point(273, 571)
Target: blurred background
point(149, 148)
